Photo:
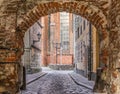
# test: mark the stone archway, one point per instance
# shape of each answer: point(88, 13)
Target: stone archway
point(95, 11)
point(94, 16)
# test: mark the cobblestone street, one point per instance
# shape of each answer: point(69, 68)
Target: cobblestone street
point(56, 82)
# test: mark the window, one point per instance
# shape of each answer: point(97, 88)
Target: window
point(84, 24)
point(78, 32)
point(64, 26)
point(76, 35)
point(64, 29)
point(81, 30)
point(81, 51)
point(80, 19)
point(65, 45)
point(87, 22)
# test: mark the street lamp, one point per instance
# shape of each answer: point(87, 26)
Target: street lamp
point(39, 37)
point(57, 46)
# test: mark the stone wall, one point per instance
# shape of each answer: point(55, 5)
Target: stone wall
point(114, 43)
point(82, 42)
point(10, 77)
point(32, 46)
point(95, 11)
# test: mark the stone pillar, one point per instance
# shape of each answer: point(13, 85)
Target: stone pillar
point(27, 52)
point(114, 47)
point(11, 49)
point(10, 64)
point(26, 60)
point(114, 62)
point(35, 47)
point(102, 73)
point(9, 77)
point(35, 64)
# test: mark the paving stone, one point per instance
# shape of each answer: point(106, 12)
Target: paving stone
point(56, 83)
point(31, 77)
point(82, 80)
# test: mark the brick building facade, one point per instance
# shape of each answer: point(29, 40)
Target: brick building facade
point(31, 58)
point(86, 47)
point(57, 39)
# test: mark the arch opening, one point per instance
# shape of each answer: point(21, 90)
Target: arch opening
point(95, 16)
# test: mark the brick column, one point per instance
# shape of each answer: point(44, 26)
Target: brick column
point(10, 53)
point(114, 47)
point(10, 65)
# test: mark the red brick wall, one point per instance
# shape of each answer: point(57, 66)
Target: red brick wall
point(44, 40)
point(66, 59)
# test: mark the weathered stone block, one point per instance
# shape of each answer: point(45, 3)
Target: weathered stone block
point(9, 77)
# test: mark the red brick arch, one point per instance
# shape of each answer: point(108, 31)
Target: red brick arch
point(95, 16)
point(92, 10)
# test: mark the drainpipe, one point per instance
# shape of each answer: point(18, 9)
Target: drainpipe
point(99, 49)
point(90, 50)
point(49, 21)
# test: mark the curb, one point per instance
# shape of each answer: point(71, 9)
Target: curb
point(99, 93)
point(82, 84)
point(43, 74)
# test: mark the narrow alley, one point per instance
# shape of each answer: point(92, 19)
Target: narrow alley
point(59, 46)
point(59, 82)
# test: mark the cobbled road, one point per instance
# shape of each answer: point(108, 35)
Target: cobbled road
point(56, 83)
